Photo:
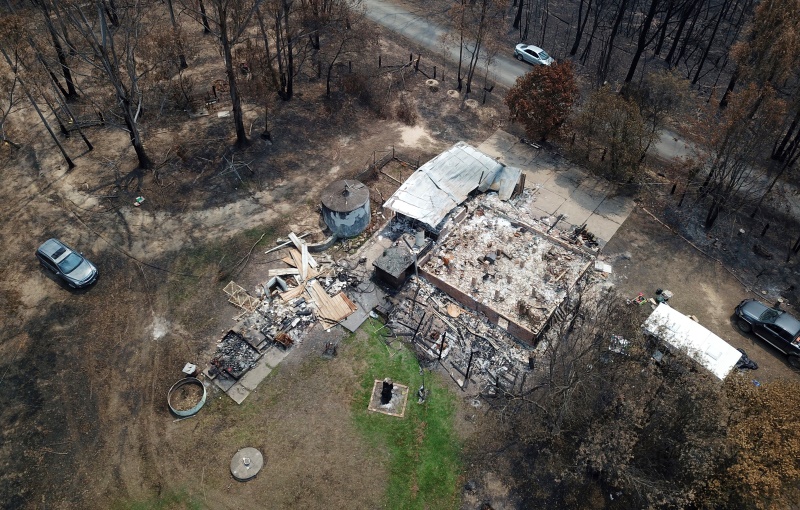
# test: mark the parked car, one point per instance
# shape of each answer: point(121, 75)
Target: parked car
point(532, 55)
point(773, 325)
point(66, 263)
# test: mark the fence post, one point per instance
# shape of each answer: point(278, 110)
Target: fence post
point(416, 64)
point(379, 61)
point(410, 57)
point(350, 66)
point(434, 72)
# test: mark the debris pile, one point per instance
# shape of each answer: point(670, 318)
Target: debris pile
point(466, 343)
point(234, 356)
point(502, 263)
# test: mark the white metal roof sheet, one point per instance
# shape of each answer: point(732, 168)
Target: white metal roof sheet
point(442, 183)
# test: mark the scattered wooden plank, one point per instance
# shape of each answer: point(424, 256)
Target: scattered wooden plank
point(293, 292)
point(299, 245)
point(283, 271)
point(304, 262)
point(331, 310)
point(287, 243)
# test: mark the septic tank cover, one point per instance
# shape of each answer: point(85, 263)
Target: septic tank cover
point(246, 464)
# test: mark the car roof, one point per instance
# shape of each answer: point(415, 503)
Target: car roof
point(51, 246)
point(530, 47)
point(788, 323)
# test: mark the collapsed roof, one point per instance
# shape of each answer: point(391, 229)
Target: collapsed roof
point(441, 184)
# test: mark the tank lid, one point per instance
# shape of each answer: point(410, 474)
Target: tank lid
point(246, 464)
point(345, 196)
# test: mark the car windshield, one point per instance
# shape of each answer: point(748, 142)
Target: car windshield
point(770, 314)
point(543, 55)
point(70, 263)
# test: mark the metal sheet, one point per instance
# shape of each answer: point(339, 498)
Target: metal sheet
point(444, 182)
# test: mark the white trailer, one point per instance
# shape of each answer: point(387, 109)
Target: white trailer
point(681, 333)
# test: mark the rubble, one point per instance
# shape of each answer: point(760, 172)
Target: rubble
point(493, 260)
point(498, 361)
point(234, 356)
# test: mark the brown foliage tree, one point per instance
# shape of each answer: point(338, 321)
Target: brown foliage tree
point(736, 145)
point(608, 416)
point(765, 447)
point(542, 99)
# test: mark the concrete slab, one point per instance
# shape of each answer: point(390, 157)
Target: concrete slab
point(255, 375)
point(594, 185)
point(274, 356)
point(540, 214)
point(538, 176)
point(224, 383)
point(572, 174)
point(565, 188)
point(603, 228)
point(500, 142)
point(587, 198)
point(616, 208)
point(355, 319)
point(549, 203)
point(576, 213)
point(238, 393)
point(560, 186)
point(366, 302)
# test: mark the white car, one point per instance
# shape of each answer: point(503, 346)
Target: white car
point(532, 55)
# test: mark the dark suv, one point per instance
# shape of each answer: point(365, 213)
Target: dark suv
point(773, 325)
point(66, 263)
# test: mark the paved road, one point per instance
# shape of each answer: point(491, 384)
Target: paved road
point(504, 70)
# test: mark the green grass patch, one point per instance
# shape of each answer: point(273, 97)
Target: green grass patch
point(424, 451)
point(170, 500)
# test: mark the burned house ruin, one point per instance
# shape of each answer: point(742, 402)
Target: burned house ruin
point(491, 254)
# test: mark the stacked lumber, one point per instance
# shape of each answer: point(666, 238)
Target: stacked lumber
point(331, 309)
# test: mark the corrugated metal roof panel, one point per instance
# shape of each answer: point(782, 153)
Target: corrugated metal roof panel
point(442, 183)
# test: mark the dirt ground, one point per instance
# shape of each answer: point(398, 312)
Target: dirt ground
point(84, 374)
point(646, 255)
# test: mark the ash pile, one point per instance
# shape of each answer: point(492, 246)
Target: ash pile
point(280, 322)
point(519, 208)
point(507, 265)
point(234, 356)
point(465, 343)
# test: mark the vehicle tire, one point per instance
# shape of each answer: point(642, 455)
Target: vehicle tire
point(518, 56)
point(744, 326)
point(794, 361)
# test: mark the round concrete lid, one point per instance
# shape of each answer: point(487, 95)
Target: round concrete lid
point(246, 464)
point(345, 196)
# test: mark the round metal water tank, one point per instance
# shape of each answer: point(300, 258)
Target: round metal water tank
point(345, 208)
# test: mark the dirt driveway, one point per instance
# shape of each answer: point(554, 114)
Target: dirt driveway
point(646, 255)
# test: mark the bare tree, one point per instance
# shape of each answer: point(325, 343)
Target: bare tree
point(112, 51)
point(44, 7)
point(734, 148)
point(230, 24)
